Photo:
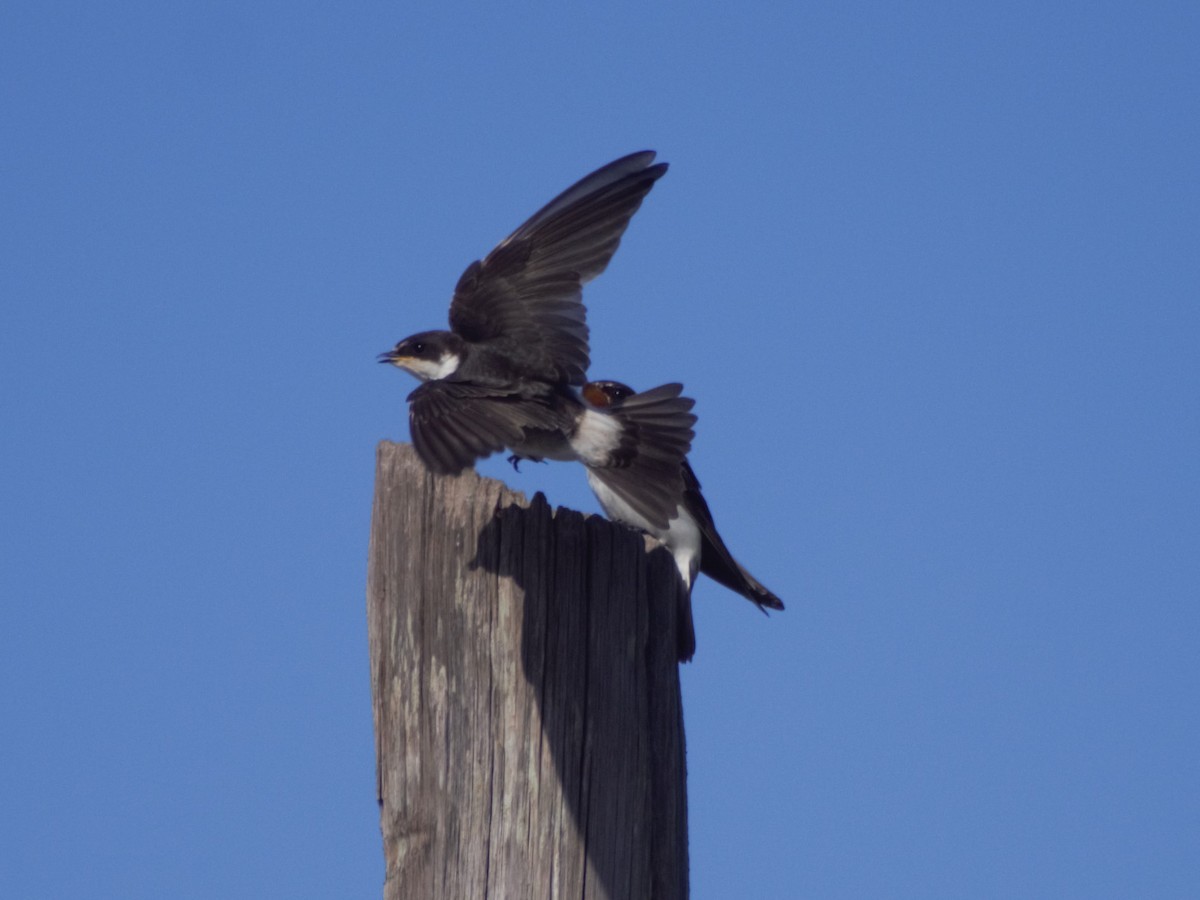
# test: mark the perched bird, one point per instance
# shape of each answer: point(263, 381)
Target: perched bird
point(508, 372)
point(691, 535)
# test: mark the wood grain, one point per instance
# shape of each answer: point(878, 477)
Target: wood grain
point(528, 721)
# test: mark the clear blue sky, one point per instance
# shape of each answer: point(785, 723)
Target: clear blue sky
point(931, 272)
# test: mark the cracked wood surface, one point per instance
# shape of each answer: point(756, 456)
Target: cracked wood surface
point(528, 722)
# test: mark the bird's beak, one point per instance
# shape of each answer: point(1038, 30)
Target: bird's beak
point(388, 356)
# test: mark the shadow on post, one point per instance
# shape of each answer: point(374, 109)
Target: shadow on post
point(599, 652)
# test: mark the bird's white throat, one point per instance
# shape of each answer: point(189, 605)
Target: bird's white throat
point(596, 436)
point(433, 370)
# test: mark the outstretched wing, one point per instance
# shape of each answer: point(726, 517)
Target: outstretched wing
point(645, 473)
point(525, 298)
point(454, 423)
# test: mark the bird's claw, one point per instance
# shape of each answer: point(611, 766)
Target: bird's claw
point(516, 461)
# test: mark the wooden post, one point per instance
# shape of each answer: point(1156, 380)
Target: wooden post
point(528, 723)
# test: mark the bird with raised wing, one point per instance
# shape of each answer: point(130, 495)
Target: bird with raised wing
point(508, 371)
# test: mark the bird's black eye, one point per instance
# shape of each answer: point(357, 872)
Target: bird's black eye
point(418, 347)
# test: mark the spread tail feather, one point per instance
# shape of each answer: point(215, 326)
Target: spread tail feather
point(646, 471)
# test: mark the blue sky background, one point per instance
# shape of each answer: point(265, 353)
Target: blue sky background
point(930, 270)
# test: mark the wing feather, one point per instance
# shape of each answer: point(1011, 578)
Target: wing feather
point(454, 423)
point(646, 472)
point(525, 298)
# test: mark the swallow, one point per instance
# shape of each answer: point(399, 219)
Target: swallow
point(509, 370)
point(691, 534)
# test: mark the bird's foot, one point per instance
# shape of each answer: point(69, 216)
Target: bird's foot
point(516, 461)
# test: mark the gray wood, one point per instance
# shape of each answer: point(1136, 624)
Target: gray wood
point(528, 722)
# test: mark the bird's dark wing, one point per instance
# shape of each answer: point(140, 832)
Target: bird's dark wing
point(646, 470)
point(454, 423)
point(525, 298)
point(715, 559)
point(651, 491)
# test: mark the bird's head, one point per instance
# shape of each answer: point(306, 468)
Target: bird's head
point(603, 394)
point(429, 355)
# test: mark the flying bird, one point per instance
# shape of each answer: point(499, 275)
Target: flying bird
point(509, 370)
point(690, 535)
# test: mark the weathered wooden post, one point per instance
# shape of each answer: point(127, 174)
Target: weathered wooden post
point(528, 724)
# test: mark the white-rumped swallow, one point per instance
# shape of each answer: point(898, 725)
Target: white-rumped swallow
point(508, 372)
point(690, 535)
